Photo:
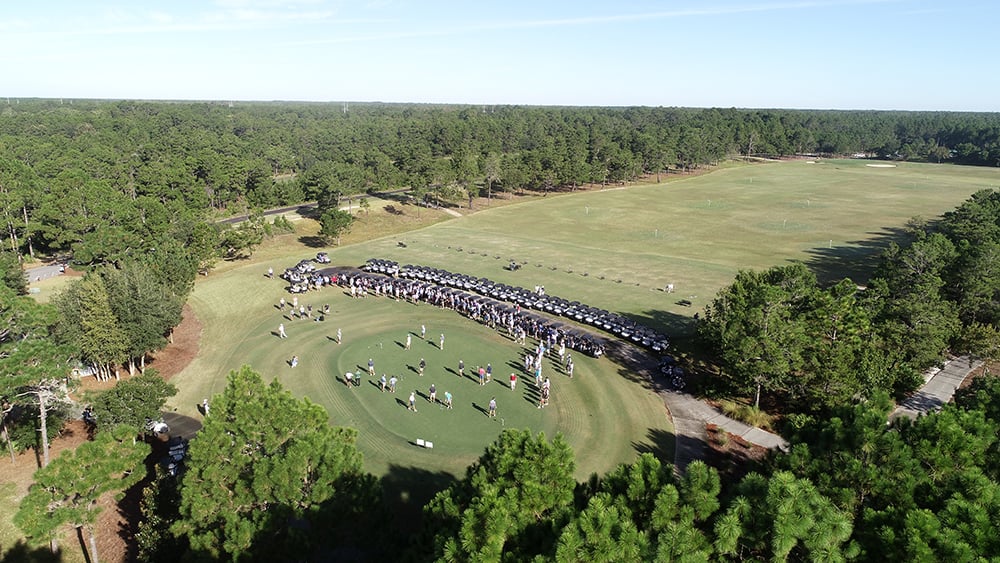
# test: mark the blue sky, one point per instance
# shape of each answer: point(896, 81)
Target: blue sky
point(844, 54)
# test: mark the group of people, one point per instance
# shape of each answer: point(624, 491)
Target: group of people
point(484, 375)
point(517, 323)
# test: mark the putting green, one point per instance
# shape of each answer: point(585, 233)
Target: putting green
point(606, 417)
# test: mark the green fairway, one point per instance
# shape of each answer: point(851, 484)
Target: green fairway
point(692, 232)
point(616, 249)
point(606, 417)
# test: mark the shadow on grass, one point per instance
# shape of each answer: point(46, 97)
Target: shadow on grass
point(405, 491)
point(313, 241)
point(856, 259)
point(21, 552)
point(658, 442)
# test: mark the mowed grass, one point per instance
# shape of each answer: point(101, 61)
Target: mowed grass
point(605, 417)
point(613, 248)
point(619, 248)
point(376, 328)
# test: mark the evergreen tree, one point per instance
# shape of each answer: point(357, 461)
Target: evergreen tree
point(67, 491)
point(11, 274)
point(510, 504)
point(133, 401)
point(783, 517)
point(268, 476)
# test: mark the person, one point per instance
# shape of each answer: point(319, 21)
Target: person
point(461, 368)
point(270, 272)
point(489, 372)
point(281, 331)
point(91, 419)
point(281, 304)
point(349, 379)
point(408, 337)
point(326, 309)
point(493, 407)
point(423, 332)
point(482, 375)
point(382, 383)
point(338, 336)
point(204, 407)
point(371, 367)
point(295, 361)
point(569, 370)
point(543, 400)
point(295, 302)
point(421, 366)
point(513, 380)
point(392, 384)
point(432, 395)
point(447, 399)
point(413, 401)
point(441, 342)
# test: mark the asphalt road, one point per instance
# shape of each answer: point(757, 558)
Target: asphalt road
point(40, 273)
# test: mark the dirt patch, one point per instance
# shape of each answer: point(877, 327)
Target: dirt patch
point(178, 354)
point(21, 473)
point(118, 521)
point(993, 369)
point(732, 455)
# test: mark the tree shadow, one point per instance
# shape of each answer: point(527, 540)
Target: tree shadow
point(658, 442)
point(855, 260)
point(21, 552)
point(314, 241)
point(83, 544)
point(405, 491)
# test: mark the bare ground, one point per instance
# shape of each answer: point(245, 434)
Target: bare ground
point(118, 520)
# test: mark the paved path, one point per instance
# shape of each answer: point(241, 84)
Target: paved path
point(39, 273)
point(690, 417)
point(939, 388)
point(689, 414)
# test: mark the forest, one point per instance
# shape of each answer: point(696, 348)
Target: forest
point(132, 191)
point(102, 180)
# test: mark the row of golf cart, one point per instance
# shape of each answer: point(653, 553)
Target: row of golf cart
point(303, 274)
point(614, 323)
point(484, 309)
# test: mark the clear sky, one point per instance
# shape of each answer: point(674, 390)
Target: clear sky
point(845, 54)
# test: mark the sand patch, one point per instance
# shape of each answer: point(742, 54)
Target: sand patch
point(881, 165)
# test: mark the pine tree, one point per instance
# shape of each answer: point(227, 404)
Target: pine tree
point(268, 476)
point(67, 490)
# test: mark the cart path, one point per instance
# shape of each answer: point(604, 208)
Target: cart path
point(690, 415)
point(939, 387)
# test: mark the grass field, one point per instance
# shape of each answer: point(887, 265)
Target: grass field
point(614, 248)
point(618, 248)
point(240, 321)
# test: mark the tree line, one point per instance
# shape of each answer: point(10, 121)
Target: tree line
point(288, 486)
point(106, 180)
point(810, 348)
